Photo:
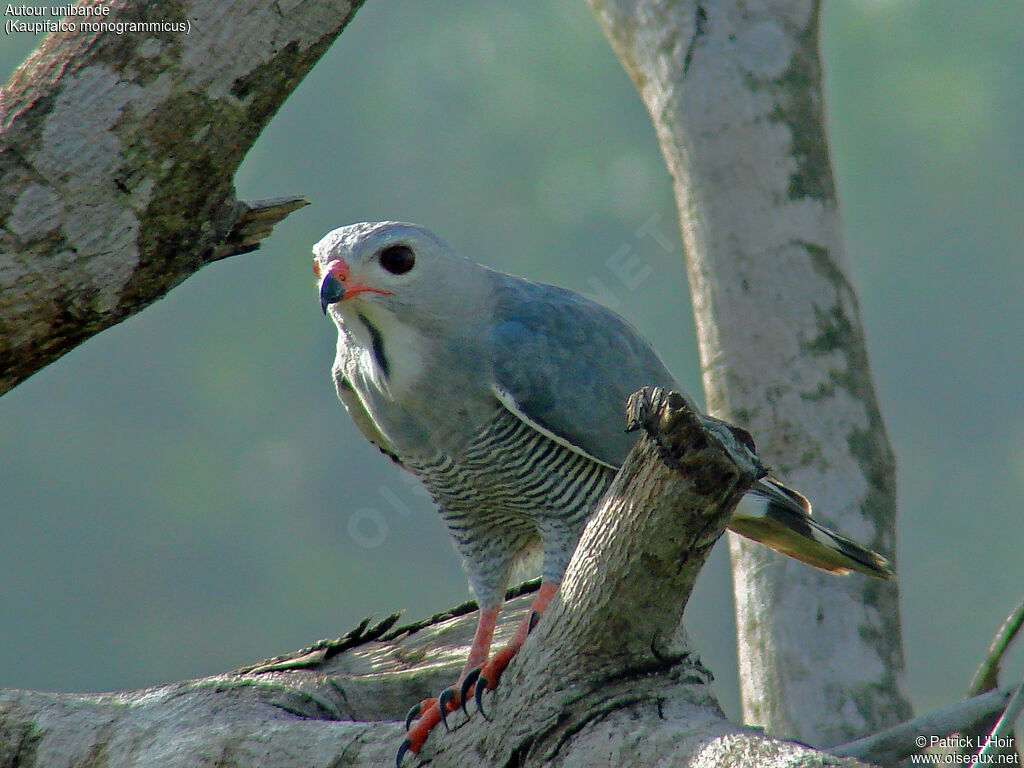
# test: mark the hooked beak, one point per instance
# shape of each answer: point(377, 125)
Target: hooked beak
point(332, 290)
point(338, 285)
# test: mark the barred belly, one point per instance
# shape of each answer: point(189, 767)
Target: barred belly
point(511, 489)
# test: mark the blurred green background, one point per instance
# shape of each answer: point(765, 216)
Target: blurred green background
point(183, 494)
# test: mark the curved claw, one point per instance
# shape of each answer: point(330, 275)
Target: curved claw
point(467, 683)
point(416, 711)
point(446, 698)
point(481, 684)
point(405, 747)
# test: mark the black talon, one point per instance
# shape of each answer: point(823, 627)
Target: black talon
point(534, 618)
point(481, 683)
point(442, 702)
point(471, 678)
point(413, 714)
point(401, 752)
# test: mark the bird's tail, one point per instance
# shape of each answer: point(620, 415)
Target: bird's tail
point(780, 518)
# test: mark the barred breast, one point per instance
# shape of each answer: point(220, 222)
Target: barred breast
point(509, 490)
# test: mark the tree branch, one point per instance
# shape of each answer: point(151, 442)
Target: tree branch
point(613, 636)
point(894, 744)
point(1000, 740)
point(735, 93)
point(607, 678)
point(254, 221)
point(986, 678)
point(117, 155)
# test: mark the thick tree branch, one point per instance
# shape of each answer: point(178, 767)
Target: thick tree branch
point(303, 709)
point(735, 93)
point(117, 154)
point(612, 640)
point(608, 678)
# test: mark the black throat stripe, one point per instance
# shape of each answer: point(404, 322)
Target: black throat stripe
point(377, 345)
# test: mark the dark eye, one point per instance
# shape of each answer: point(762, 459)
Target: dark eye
point(397, 259)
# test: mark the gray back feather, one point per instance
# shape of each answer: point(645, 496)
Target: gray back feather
point(570, 364)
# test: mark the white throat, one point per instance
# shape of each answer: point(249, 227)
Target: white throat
point(390, 355)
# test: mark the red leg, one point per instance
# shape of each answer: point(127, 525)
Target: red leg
point(493, 669)
point(430, 709)
point(478, 672)
point(481, 640)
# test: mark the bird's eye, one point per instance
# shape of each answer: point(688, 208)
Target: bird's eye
point(397, 259)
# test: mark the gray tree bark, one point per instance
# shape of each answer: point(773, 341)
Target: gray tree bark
point(117, 155)
point(735, 92)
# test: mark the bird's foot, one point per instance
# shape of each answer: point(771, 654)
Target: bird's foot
point(418, 710)
point(427, 714)
point(476, 679)
point(489, 674)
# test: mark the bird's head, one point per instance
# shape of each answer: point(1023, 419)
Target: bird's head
point(399, 268)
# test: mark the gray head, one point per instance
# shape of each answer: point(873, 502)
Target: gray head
point(393, 267)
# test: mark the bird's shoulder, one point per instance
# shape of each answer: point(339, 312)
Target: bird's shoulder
point(569, 364)
point(531, 316)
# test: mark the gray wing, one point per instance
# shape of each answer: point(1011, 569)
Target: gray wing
point(362, 419)
point(567, 365)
